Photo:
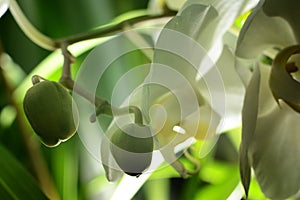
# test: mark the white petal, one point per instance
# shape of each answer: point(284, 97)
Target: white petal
point(261, 32)
point(234, 90)
point(205, 22)
point(3, 6)
point(274, 153)
point(243, 69)
point(271, 141)
point(287, 9)
point(185, 29)
point(281, 82)
point(203, 127)
point(211, 34)
point(249, 120)
point(168, 112)
point(112, 170)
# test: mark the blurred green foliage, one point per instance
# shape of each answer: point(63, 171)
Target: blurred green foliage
point(58, 18)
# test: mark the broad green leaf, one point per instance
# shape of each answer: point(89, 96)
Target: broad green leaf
point(12, 71)
point(175, 4)
point(223, 179)
point(64, 164)
point(128, 15)
point(128, 187)
point(255, 191)
point(239, 22)
point(157, 189)
point(165, 171)
point(213, 172)
point(15, 181)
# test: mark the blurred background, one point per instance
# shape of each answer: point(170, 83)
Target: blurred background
point(28, 169)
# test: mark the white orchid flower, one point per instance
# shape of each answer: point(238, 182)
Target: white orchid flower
point(270, 142)
point(3, 6)
point(185, 57)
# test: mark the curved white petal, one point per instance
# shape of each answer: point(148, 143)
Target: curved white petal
point(203, 127)
point(205, 22)
point(111, 168)
point(168, 112)
point(249, 120)
point(234, 90)
point(211, 35)
point(274, 153)
point(282, 84)
point(270, 140)
point(261, 32)
point(287, 9)
point(186, 54)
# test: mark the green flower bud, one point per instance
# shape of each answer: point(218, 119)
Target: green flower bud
point(132, 148)
point(48, 108)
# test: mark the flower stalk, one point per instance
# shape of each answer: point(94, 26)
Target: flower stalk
point(52, 44)
point(103, 107)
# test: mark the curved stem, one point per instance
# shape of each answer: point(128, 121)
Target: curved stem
point(29, 30)
point(52, 44)
point(195, 161)
point(112, 29)
point(103, 107)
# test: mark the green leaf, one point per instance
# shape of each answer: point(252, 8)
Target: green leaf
point(15, 181)
point(161, 188)
point(175, 4)
point(239, 22)
point(223, 178)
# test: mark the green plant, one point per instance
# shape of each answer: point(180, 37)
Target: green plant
point(48, 107)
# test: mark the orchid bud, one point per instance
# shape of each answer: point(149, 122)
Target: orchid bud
point(132, 147)
point(48, 108)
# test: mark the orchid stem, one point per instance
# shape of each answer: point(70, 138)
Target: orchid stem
point(195, 161)
point(52, 44)
point(66, 79)
point(112, 29)
point(29, 30)
point(102, 106)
